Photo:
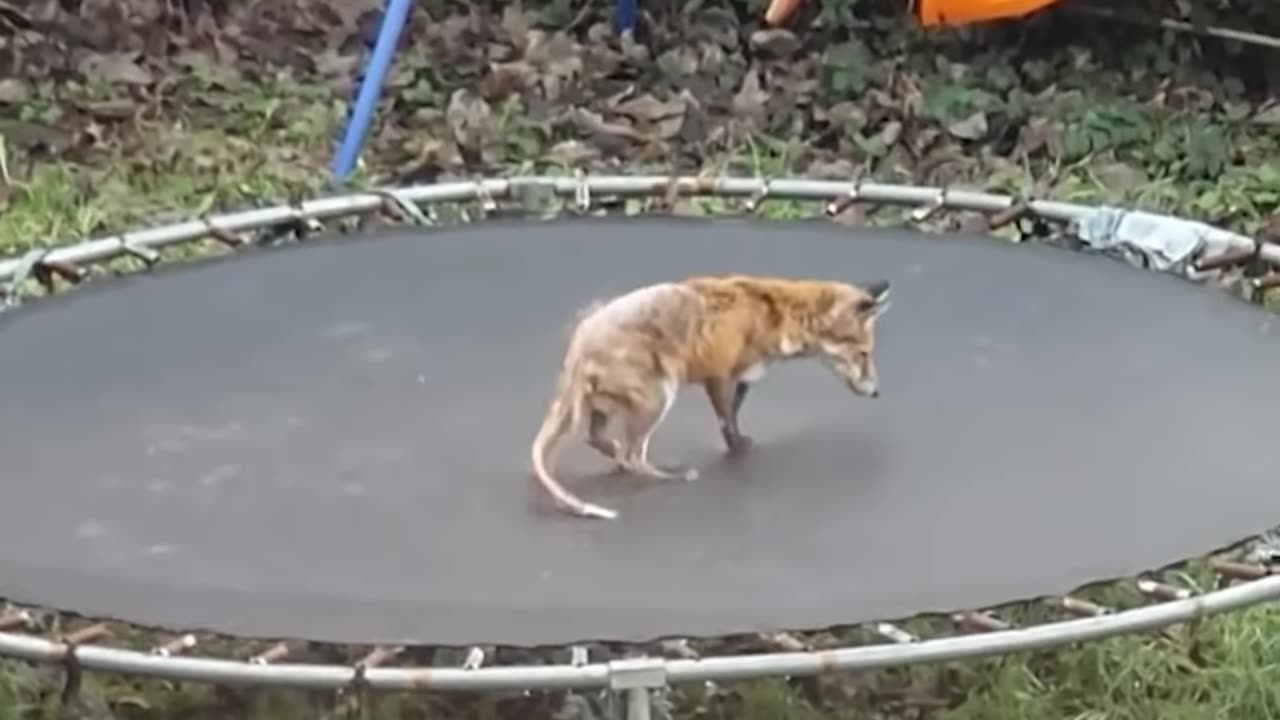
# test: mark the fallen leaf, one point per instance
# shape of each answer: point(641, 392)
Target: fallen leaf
point(848, 115)
point(516, 24)
point(678, 62)
point(571, 153)
point(1121, 177)
point(837, 169)
point(648, 107)
point(13, 91)
point(1037, 134)
point(889, 134)
point(505, 79)
point(110, 109)
point(973, 127)
point(604, 131)
point(776, 42)
point(115, 68)
point(749, 101)
point(558, 59)
point(1267, 115)
point(470, 119)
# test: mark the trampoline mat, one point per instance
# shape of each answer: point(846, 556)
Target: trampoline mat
point(331, 441)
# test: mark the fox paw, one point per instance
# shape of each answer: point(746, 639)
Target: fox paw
point(739, 444)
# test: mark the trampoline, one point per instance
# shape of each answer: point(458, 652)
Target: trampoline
point(327, 440)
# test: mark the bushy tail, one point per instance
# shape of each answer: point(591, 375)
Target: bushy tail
point(563, 415)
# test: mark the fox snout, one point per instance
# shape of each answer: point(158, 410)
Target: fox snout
point(861, 379)
point(863, 387)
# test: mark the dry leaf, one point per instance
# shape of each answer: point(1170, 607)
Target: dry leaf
point(749, 102)
point(777, 42)
point(115, 68)
point(973, 127)
point(516, 25)
point(470, 119)
point(572, 153)
point(13, 91)
point(648, 107)
point(1267, 115)
point(596, 125)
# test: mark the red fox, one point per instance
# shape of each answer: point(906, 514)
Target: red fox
point(626, 359)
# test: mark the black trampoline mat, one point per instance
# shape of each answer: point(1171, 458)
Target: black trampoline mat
point(331, 441)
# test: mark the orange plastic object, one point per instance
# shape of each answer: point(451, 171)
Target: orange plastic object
point(934, 12)
point(959, 12)
point(779, 10)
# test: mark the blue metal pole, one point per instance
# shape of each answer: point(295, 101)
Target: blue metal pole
point(369, 85)
point(624, 17)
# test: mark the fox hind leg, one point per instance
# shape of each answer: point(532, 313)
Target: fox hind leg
point(641, 423)
point(597, 424)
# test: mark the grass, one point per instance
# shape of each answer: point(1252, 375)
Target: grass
point(1225, 667)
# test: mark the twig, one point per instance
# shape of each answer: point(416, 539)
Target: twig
point(1181, 26)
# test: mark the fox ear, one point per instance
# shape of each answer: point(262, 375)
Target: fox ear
point(878, 301)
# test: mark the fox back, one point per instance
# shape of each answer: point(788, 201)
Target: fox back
point(749, 322)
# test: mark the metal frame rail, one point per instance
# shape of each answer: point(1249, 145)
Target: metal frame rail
point(1241, 582)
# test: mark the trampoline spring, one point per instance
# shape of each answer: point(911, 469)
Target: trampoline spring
point(142, 253)
point(926, 211)
point(88, 634)
point(379, 656)
point(1083, 608)
point(46, 270)
point(474, 659)
point(665, 195)
point(276, 652)
point(786, 641)
point(582, 192)
point(224, 236)
point(71, 661)
point(1234, 570)
point(1014, 213)
point(175, 646)
point(487, 203)
point(835, 207)
point(1162, 591)
point(1228, 258)
point(15, 620)
point(1267, 282)
point(28, 265)
point(979, 621)
point(401, 209)
point(679, 647)
point(354, 693)
point(893, 633)
point(757, 198)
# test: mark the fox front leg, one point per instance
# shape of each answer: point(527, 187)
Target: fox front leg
point(726, 396)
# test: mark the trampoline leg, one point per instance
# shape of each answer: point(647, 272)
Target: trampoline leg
point(359, 116)
point(638, 707)
point(624, 17)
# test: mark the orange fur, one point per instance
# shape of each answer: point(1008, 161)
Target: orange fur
point(626, 359)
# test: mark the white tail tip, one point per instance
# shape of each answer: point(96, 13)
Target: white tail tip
point(593, 510)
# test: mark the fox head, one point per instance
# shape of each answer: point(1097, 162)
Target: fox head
point(847, 342)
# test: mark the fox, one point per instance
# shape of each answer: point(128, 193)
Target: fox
point(626, 359)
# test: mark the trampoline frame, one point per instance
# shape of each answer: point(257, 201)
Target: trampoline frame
point(1242, 582)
